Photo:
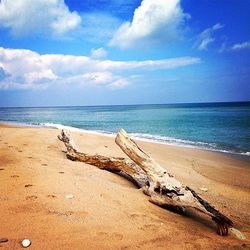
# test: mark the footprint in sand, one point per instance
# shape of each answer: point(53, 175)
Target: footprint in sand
point(117, 236)
point(15, 176)
point(31, 197)
point(51, 196)
point(20, 151)
point(28, 185)
point(3, 240)
point(1, 169)
point(61, 172)
point(44, 164)
point(134, 216)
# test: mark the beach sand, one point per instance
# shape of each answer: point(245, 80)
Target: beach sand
point(106, 210)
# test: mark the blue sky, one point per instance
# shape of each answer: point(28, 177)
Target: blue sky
point(104, 52)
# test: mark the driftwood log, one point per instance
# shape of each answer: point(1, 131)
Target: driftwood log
point(162, 188)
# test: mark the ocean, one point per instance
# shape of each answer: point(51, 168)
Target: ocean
point(223, 127)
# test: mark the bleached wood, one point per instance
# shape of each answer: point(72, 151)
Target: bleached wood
point(112, 164)
point(164, 189)
point(155, 181)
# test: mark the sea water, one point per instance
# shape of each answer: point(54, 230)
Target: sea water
point(221, 127)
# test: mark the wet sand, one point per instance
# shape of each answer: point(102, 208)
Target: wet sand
point(60, 204)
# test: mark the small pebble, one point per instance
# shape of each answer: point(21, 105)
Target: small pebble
point(237, 233)
point(203, 189)
point(69, 196)
point(26, 243)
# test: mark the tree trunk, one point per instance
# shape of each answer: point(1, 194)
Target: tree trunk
point(155, 181)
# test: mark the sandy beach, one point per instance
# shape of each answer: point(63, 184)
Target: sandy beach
point(61, 204)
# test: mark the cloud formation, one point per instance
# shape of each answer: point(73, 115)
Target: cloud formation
point(206, 37)
point(241, 46)
point(42, 17)
point(3, 74)
point(29, 69)
point(98, 53)
point(154, 21)
point(104, 78)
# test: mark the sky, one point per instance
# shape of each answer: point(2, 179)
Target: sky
point(112, 52)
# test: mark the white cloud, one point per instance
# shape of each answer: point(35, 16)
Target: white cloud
point(29, 69)
point(119, 83)
point(98, 78)
point(98, 53)
point(240, 46)
point(154, 21)
point(148, 65)
point(206, 37)
point(3, 74)
point(40, 76)
point(42, 17)
point(223, 46)
point(104, 78)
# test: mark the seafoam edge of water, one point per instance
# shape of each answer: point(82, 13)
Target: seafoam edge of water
point(138, 136)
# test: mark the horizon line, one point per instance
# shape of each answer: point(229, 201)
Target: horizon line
point(139, 104)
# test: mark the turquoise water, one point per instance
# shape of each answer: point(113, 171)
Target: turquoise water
point(216, 126)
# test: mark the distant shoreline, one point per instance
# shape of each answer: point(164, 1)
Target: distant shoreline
point(73, 129)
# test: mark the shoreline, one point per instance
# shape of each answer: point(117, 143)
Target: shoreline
point(200, 152)
point(241, 156)
point(107, 211)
